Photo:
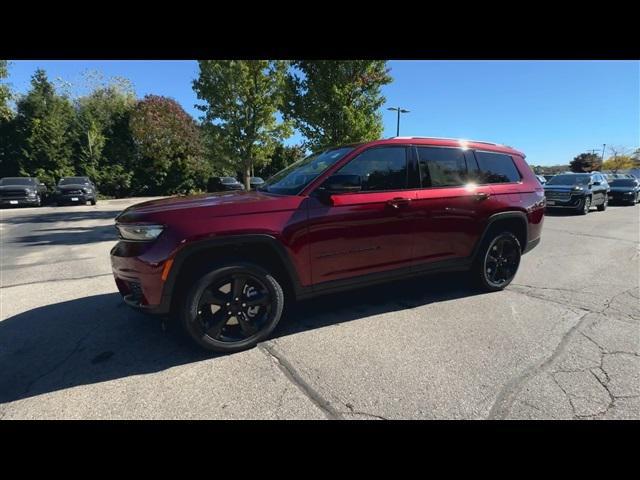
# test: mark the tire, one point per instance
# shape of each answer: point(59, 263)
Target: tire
point(93, 201)
point(603, 206)
point(484, 270)
point(206, 314)
point(583, 209)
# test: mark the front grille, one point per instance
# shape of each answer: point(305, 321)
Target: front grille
point(73, 192)
point(558, 195)
point(13, 193)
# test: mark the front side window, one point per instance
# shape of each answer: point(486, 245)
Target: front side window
point(497, 168)
point(442, 167)
point(293, 179)
point(379, 169)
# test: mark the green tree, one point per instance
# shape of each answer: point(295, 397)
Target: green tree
point(282, 157)
point(585, 162)
point(104, 147)
point(169, 156)
point(620, 162)
point(44, 131)
point(336, 102)
point(242, 98)
point(5, 93)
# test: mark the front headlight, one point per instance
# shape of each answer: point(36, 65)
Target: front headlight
point(31, 193)
point(139, 232)
point(88, 190)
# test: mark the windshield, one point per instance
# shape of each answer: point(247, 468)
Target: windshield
point(575, 179)
point(17, 181)
point(295, 177)
point(228, 180)
point(73, 181)
point(622, 183)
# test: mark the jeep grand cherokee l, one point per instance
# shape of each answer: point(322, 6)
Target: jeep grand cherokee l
point(224, 264)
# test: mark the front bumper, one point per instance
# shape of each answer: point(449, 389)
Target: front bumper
point(571, 201)
point(139, 282)
point(621, 197)
point(69, 198)
point(18, 201)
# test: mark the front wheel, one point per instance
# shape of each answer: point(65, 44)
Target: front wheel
point(586, 205)
point(93, 201)
point(233, 307)
point(603, 207)
point(497, 262)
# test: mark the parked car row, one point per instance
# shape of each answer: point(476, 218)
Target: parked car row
point(30, 191)
point(227, 184)
point(581, 191)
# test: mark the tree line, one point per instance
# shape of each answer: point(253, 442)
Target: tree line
point(620, 158)
point(152, 146)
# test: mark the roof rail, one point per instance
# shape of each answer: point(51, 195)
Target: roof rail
point(456, 139)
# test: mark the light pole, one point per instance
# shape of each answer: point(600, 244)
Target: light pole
point(399, 110)
point(603, 145)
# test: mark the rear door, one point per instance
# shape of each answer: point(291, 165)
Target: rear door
point(451, 207)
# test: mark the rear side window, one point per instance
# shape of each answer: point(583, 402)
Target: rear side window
point(379, 169)
point(442, 167)
point(497, 168)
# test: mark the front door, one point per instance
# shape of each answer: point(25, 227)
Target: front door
point(368, 231)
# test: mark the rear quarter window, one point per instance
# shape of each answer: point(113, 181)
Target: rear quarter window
point(496, 168)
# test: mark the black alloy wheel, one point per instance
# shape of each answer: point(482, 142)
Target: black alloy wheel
point(502, 260)
point(233, 307)
point(586, 205)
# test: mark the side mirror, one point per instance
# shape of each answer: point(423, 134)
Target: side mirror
point(338, 184)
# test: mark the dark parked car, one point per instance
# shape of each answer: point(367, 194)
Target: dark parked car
point(577, 191)
point(625, 191)
point(548, 177)
point(75, 190)
point(223, 184)
point(22, 191)
point(255, 182)
point(225, 264)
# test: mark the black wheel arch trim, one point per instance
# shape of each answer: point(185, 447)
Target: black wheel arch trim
point(210, 244)
point(504, 216)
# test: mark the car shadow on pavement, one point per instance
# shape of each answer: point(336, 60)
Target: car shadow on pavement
point(66, 216)
point(98, 338)
point(69, 236)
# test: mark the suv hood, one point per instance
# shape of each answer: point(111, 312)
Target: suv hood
point(560, 188)
point(73, 186)
point(217, 204)
point(17, 187)
point(629, 188)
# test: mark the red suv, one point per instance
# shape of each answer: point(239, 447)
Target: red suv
point(226, 263)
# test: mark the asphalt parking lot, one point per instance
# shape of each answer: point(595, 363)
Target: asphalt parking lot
point(561, 342)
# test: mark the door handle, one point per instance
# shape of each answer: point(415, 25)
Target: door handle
point(482, 196)
point(398, 201)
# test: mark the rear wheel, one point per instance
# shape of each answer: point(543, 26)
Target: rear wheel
point(497, 262)
point(232, 308)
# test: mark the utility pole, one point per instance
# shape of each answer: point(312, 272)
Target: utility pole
point(399, 110)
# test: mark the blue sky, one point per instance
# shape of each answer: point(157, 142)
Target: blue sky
point(551, 110)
